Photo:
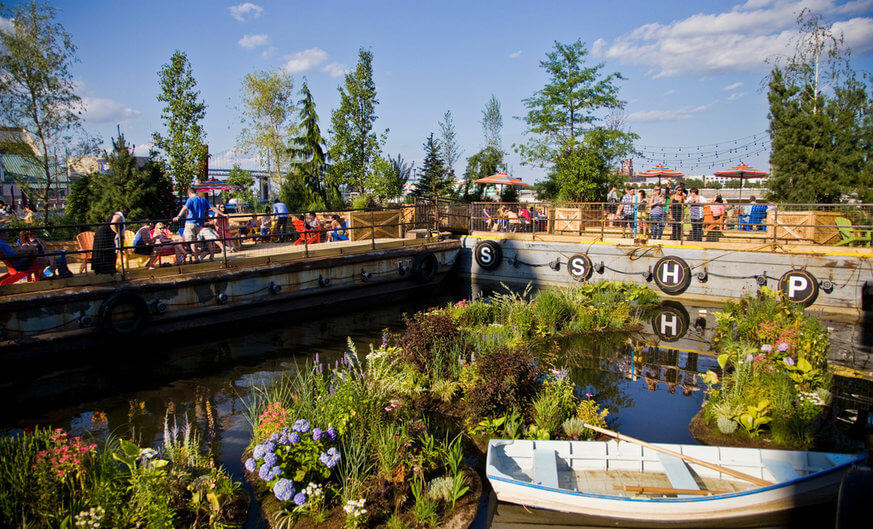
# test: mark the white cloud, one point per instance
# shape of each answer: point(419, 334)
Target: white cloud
point(515, 54)
point(335, 69)
point(735, 96)
point(301, 61)
point(739, 40)
point(251, 42)
point(733, 86)
point(669, 92)
point(246, 11)
point(143, 150)
point(102, 110)
point(6, 24)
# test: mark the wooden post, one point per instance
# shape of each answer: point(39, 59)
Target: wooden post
point(373, 229)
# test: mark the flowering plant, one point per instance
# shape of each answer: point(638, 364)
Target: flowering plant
point(356, 514)
point(273, 419)
point(65, 456)
point(294, 454)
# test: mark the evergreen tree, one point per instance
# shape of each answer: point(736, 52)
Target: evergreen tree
point(434, 181)
point(449, 147)
point(354, 146)
point(492, 123)
point(309, 159)
point(183, 145)
point(571, 135)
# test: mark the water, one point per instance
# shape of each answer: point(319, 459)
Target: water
point(651, 391)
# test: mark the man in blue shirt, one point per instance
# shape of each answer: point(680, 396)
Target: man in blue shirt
point(197, 208)
point(17, 258)
point(280, 213)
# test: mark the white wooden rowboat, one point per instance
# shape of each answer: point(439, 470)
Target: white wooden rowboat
point(626, 482)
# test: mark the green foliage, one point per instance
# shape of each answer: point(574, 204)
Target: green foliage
point(486, 162)
point(590, 413)
point(424, 509)
point(434, 180)
point(244, 179)
point(354, 146)
point(563, 120)
point(755, 416)
point(554, 403)
point(428, 338)
point(504, 379)
point(183, 145)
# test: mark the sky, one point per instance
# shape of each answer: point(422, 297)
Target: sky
point(694, 87)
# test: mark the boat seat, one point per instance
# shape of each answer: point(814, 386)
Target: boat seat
point(782, 470)
point(677, 472)
point(545, 468)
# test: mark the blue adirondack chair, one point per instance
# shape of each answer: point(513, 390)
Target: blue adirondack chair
point(755, 219)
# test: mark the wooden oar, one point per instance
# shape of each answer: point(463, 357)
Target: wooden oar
point(712, 466)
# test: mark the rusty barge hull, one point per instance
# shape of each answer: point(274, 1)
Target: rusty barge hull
point(176, 300)
point(835, 280)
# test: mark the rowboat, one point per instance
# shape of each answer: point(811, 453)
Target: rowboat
point(658, 484)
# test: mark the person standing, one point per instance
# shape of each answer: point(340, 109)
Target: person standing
point(627, 210)
point(656, 213)
point(117, 223)
point(280, 214)
point(695, 213)
point(676, 212)
point(196, 208)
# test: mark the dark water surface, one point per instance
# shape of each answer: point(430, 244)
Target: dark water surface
point(652, 392)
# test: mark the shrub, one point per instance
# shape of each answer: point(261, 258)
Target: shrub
point(427, 334)
point(503, 379)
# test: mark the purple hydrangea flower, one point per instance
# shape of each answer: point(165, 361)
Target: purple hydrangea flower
point(251, 464)
point(316, 434)
point(259, 451)
point(276, 472)
point(265, 473)
point(269, 446)
point(299, 498)
point(270, 459)
point(301, 425)
point(331, 434)
point(782, 347)
point(788, 361)
point(294, 438)
point(330, 458)
point(766, 348)
point(274, 437)
point(283, 489)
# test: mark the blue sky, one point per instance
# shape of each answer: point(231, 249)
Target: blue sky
point(694, 69)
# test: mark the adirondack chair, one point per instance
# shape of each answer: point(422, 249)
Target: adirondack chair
point(755, 218)
point(305, 235)
point(130, 257)
point(86, 244)
point(341, 234)
point(847, 232)
point(12, 275)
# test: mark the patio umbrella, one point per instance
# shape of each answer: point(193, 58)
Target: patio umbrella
point(659, 171)
point(741, 171)
point(214, 184)
point(501, 179)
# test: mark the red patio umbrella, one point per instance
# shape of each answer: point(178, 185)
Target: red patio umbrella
point(659, 171)
point(501, 179)
point(214, 184)
point(741, 171)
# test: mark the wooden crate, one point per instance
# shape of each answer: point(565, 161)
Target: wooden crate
point(454, 217)
point(387, 224)
point(577, 219)
point(808, 226)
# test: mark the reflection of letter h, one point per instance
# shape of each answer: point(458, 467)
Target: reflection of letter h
point(668, 271)
point(672, 323)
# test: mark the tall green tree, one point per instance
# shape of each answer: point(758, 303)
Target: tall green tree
point(434, 180)
point(37, 92)
point(268, 111)
point(567, 122)
point(819, 137)
point(449, 147)
point(183, 146)
point(490, 159)
point(309, 158)
point(245, 180)
point(492, 123)
point(354, 145)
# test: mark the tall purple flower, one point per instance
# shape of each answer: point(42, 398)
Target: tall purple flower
point(283, 489)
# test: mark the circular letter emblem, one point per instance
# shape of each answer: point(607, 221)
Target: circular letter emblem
point(670, 322)
point(579, 267)
point(488, 255)
point(799, 286)
point(672, 275)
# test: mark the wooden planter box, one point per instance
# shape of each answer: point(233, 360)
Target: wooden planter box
point(576, 220)
point(814, 227)
point(387, 224)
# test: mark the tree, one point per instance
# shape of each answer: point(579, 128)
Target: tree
point(484, 163)
point(37, 92)
point(571, 135)
point(434, 181)
point(818, 111)
point(267, 110)
point(354, 146)
point(144, 188)
point(391, 174)
point(244, 179)
point(309, 159)
point(449, 147)
point(183, 145)
point(492, 123)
